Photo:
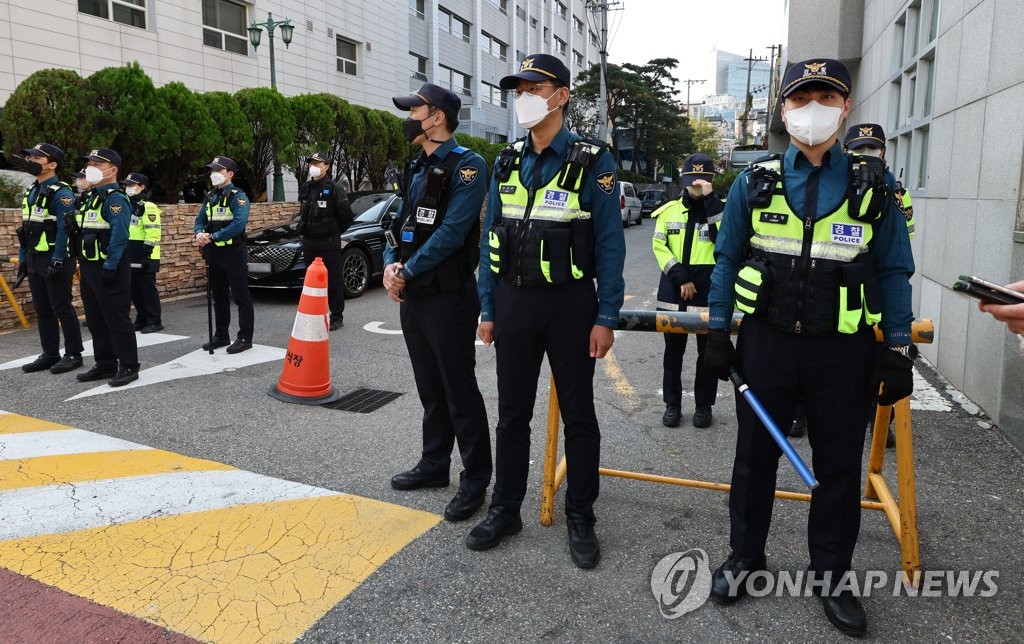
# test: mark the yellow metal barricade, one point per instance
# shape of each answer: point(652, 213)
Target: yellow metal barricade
point(10, 297)
point(902, 513)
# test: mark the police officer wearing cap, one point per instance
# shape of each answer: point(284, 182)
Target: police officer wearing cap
point(47, 209)
point(685, 231)
point(429, 262)
point(220, 232)
point(324, 215)
point(103, 222)
point(144, 254)
point(869, 139)
point(829, 257)
point(553, 225)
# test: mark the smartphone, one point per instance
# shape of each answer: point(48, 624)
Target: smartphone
point(987, 291)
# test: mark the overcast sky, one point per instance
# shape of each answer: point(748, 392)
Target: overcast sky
point(641, 30)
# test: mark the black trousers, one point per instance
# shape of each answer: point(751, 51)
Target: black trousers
point(108, 312)
point(52, 301)
point(440, 333)
point(530, 322)
point(145, 298)
point(229, 274)
point(335, 282)
point(705, 383)
point(831, 375)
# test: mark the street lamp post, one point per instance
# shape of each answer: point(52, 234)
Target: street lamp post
point(255, 34)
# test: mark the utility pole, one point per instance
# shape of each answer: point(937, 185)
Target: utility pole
point(690, 81)
point(749, 99)
point(601, 8)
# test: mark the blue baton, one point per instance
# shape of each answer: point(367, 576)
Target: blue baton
point(773, 429)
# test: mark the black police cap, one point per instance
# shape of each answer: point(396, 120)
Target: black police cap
point(222, 163)
point(864, 135)
point(47, 150)
point(536, 68)
point(429, 94)
point(137, 178)
point(322, 157)
point(102, 155)
point(817, 70)
point(698, 166)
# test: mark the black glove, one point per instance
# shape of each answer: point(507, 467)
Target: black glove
point(719, 354)
point(145, 265)
point(896, 372)
point(22, 270)
point(70, 225)
point(55, 270)
point(108, 277)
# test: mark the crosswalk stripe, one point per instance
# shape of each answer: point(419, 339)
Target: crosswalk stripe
point(141, 340)
point(18, 424)
point(34, 511)
point(74, 468)
point(65, 441)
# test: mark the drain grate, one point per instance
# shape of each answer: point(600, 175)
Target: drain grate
point(364, 401)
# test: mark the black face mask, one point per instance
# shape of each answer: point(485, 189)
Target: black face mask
point(34, 168)
point(412, 129)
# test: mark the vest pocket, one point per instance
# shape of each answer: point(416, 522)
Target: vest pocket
point(497, 249)
point(554, 255)
point(851, 294)
point(582, 241)
point(752, 287)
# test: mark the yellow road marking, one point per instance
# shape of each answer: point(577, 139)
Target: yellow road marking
point(18, 424)
point(253, 573)
point(620, 383)
point(73, 468)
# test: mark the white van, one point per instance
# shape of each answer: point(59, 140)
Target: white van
point(630, 204)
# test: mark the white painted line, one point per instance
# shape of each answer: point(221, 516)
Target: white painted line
point(30, 512)
point(59, 442)
point(191, 365)
point(141, 339)
point(377, 327)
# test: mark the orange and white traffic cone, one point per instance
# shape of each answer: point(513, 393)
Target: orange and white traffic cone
point(306, 373)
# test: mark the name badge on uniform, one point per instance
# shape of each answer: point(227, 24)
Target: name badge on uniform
point(321, 204)
point(556, 198)
point(426, 216)
point(703, 234)
point(135, 220)
point(674, 229)
point(220, 211)
point(92, 215)
point(507, 189)
point(36, 210)
point(847, 234)
point(774, 217)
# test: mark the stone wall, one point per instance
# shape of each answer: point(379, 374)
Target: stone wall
point(182, 270)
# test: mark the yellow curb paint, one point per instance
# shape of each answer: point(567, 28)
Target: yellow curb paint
point(252, 573)
point(75, 468)
point(18, 424)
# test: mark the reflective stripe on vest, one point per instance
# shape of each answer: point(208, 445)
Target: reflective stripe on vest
point(702, 249)
point(219, 216)
point(94, 232)
point(146, 228)
point(37, 217)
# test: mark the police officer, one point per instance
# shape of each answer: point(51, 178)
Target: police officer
point(47, 210)
point(103, 223)
point(430, 271)
point(220, 231)
point(684, 245)
point(144, 254)
point(829, 256)
point(325, 215)
point(553, 224)
point(869, 139)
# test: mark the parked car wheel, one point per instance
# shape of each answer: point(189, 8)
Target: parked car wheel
point(355, 272)
point(639, 218)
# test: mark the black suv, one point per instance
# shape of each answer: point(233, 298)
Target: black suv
point(651, 200)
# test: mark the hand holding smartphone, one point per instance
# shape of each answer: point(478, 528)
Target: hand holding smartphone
point(986, 291)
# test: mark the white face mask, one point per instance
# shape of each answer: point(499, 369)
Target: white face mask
point(83, 184)
point(315, 172)
point(131, 191)
point(813, 123)
point(93, 174)
point(217, 178)
point(531, 109)
point(869, 152)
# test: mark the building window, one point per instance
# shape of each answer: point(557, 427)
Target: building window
point(520, 13)
point(911, 91)
point(502, 5)
point(347, 61)
point(561, 10)
point(533, 23)
point(419, 66)
point(224, 26)
point(560, 46)
point(127, 12)
point(493, 46)
point(577, 58)
point(455, 81)
point(418, 8)
point(546, 33)
point(577, 24)
point(494, 137)
point(520, 56)
point(454, 25)
point(593, 39)
point(494, 95)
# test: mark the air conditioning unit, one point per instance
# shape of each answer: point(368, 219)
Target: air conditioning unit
point(466, 114)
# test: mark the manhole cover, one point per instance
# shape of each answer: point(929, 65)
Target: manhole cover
point(364, 401)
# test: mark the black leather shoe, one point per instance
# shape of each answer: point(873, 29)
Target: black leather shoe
point(138, 326)
point(70, 362)
point(846, 613)
point(44, 361)
point(124, 376)
point(799, 427)
point(336, 324)
point(702, 417)
point(463, 506)
point(217, 343)
point(671, 417)
point(500, 523)
point(583, 546)
point(97, 373)
point(240, 345)
point(416, 478)
point(738, 570)
point(152, 328)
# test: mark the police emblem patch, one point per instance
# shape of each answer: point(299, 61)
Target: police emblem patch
point(115, 209)
point(67, 201)
point(606, 181)
point(240, 201)
point(468, 175)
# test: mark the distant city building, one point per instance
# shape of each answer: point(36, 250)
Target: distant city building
point(731, 75)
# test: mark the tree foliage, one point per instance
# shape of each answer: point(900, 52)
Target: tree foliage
point(51, 105)
point(197, 139)
point(314, 130)
point(273, 129)
point(706, 138)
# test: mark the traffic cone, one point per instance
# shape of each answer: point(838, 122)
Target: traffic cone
point(306, 373)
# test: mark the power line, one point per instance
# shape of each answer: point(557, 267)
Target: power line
point(601, 9)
